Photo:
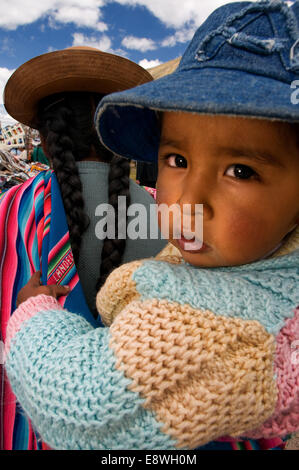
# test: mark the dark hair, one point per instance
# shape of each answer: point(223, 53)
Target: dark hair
point(65, 122)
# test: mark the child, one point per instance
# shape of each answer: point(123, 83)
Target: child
point(200, 351)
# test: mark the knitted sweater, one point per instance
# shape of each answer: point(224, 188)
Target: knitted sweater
point(191, 355)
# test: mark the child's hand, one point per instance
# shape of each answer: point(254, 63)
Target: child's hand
point(34, 288)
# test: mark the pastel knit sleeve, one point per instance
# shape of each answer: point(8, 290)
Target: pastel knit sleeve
point(64, 374)
point(206, 375)
point(163, 376)
point(285, 419)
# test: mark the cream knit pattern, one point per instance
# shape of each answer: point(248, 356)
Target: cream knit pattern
point(291, 244)
point(117, 292)
point(203, 375)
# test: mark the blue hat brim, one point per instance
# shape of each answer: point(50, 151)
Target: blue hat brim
point(127, 122)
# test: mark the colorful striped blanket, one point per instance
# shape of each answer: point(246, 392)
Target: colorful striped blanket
point(33, 236)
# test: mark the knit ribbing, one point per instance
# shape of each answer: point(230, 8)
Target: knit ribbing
point(286, 417)
point(203, 375)
point(63, 373)
point(120, 288)
point(117, 292)
point(266, 291)
point(27, 310)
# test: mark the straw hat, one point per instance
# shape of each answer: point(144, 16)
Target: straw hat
point(164, 69)
point(72, 69)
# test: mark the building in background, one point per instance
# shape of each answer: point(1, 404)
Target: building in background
point(18, 138)
point(13, 136)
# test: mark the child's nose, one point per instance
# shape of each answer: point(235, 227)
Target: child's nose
point(197, 189)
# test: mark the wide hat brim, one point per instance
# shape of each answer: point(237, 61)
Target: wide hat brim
point(127, 123)
point(73, 69)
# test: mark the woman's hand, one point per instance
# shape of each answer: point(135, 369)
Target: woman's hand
point(34, 288)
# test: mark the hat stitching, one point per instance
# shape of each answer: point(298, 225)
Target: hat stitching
point(294, 55)
point(225, 32)
point(229, 34)
point(258, 45)
point(290, 59)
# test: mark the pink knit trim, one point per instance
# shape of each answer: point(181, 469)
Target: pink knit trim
point(286, 417)
point(27, 310)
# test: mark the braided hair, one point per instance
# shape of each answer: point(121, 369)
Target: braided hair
point(65, 123)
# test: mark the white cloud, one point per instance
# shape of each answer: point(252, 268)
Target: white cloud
point(139, 44)
point(85, 13)
point(103, 43)
point(4, 76)
point(176, 13)
point(6, 48)
point(179, 36)
point(148, 64)
point(82, 17)
point(5, 119)
point(100, 26)
point(88, 13)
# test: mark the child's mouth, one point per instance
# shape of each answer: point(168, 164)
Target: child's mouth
point(193, 245)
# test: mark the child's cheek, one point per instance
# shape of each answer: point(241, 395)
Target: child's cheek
point(247, 230)
point(165, 195)
point(165, 217)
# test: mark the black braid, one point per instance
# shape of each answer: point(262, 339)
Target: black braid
point(66, 123)
point(119, 185)
point(67, 140)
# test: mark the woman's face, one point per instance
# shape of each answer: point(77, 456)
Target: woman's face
point(245, 173)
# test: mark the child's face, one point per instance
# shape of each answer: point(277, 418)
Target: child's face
point(245, 172)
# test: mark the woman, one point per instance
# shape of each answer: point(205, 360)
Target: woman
point(49, 222)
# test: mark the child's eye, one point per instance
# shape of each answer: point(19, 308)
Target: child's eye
point(243, 172)
point(176, 161)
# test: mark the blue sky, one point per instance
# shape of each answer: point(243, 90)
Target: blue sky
point(148, 32)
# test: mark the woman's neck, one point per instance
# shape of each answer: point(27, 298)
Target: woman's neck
point(95, 157)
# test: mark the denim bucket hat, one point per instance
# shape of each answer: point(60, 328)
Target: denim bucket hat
point(243, 60)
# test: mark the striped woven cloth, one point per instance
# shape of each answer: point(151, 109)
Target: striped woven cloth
point(250, 444)
point(34, 236)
